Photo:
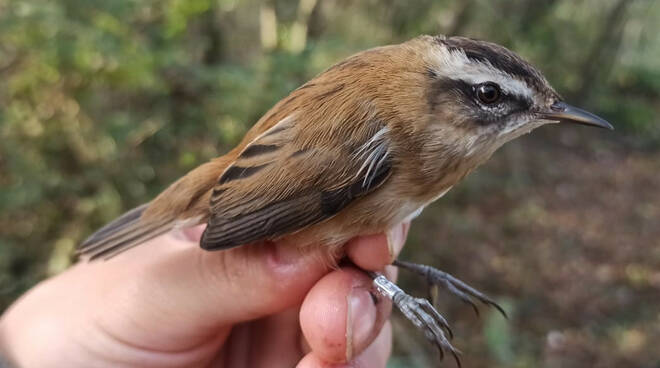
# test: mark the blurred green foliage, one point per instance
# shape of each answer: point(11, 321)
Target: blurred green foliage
point(103, 103)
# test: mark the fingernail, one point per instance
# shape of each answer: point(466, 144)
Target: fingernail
point(396, 238)
point(360, 319)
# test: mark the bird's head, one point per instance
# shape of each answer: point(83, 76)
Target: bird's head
point(487, 95)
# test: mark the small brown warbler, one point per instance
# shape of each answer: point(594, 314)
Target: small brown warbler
point(363, 146)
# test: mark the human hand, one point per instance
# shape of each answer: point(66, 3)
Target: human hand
point(168, 303)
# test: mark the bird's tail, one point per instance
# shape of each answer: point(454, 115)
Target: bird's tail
point(124, 233)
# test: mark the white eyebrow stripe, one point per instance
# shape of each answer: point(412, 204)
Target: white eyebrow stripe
point(508, 84)
point(456, 65)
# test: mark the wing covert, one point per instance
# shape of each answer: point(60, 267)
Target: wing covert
point(280, 184)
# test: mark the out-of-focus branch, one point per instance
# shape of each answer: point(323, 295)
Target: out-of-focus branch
point(299, 28)
point(532, 12)
point(461, 18)
point(316, 23)
point(268, 26)
point(214, 53)
point(603, 51)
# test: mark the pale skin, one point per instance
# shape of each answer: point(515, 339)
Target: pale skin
point(175, 305)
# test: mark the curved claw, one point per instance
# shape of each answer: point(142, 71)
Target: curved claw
point(455, 353)
point(482, 298)
point(422, 313)
point(433, 332)
point(454, 285)
point(462, 295)
point(437, 316)
point(440, 350)
point(474, 307)
point(499, 309)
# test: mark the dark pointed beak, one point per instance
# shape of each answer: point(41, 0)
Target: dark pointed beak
point(564, 112)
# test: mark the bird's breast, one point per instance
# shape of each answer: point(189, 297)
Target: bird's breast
point(412, 215)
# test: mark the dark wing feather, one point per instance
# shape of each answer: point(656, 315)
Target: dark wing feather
point(269, 203)
point(288, 215)
point(272, 220)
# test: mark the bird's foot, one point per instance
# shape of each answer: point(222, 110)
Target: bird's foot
point(436, 277)
point(420, 312)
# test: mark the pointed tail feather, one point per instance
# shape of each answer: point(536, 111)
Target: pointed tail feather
point(124, 233)
point(116, 225)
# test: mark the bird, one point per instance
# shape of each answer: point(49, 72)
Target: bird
point(363, 146)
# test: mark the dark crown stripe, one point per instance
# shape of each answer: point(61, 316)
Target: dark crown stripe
point(498, 56)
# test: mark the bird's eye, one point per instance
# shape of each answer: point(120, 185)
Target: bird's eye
point(488, 93)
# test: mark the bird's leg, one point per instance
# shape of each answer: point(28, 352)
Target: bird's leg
point(420, 312)
point(435, 277)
